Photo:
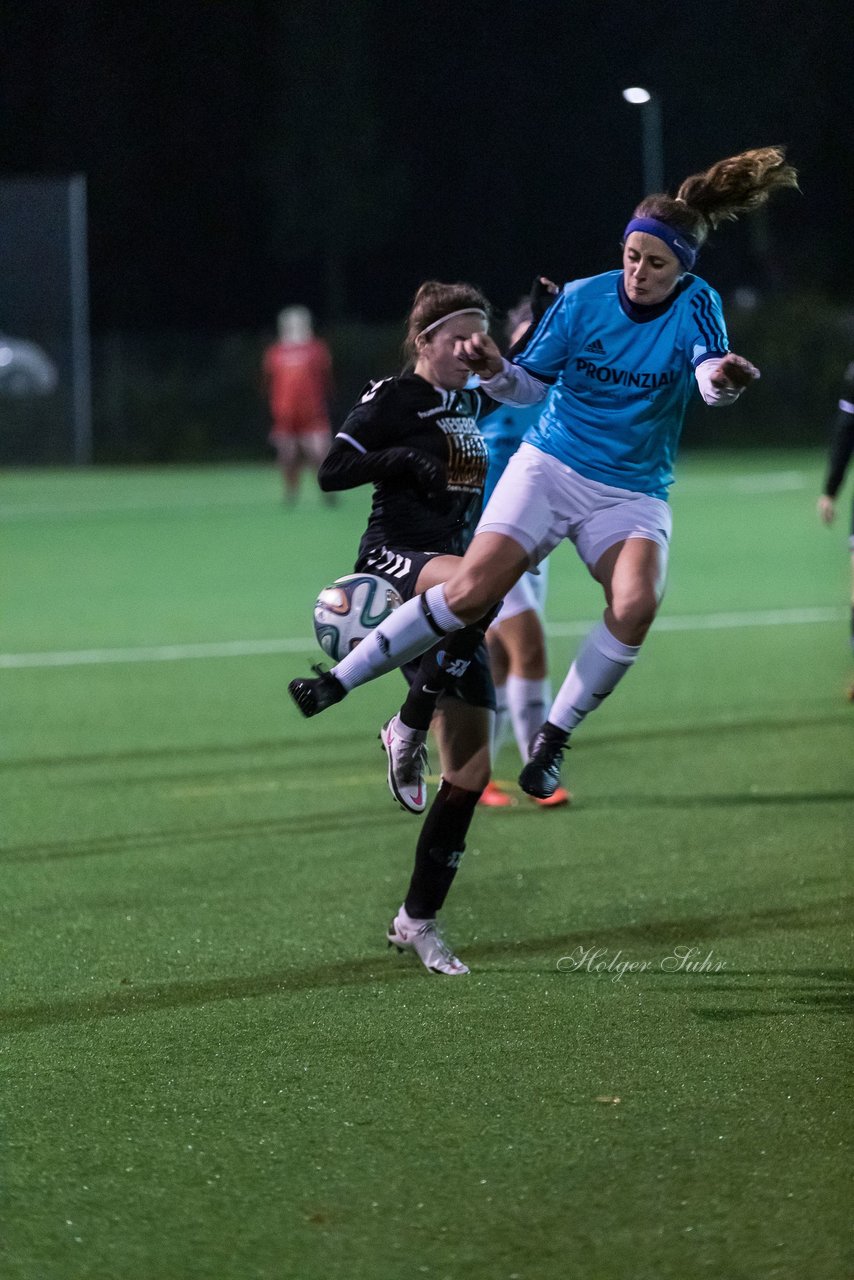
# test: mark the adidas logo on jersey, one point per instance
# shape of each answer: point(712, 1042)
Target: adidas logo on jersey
point(596, 347)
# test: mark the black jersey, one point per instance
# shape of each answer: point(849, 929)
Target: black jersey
point(424, 452)
point(842, 441)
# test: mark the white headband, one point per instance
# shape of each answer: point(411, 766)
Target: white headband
point(464, 311)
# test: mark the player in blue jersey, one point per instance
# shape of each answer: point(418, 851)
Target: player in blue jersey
point(516, 640)
point(621, 353)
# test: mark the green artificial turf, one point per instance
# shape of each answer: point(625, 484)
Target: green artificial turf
point(210, 1064)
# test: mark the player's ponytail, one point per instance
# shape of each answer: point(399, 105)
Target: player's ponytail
point(733, 186)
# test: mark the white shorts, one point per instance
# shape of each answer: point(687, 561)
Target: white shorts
point(539, 501)
point(529, 593)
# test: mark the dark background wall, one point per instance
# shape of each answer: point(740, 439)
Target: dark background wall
point(242, 154)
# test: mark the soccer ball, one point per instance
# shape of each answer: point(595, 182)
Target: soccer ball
point(348, 609)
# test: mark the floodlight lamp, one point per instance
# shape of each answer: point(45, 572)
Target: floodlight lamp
point(637, 96)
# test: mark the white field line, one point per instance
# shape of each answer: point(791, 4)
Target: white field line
point(254, 648)
point(156, 653)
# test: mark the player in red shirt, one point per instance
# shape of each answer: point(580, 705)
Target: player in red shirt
point(298, 381)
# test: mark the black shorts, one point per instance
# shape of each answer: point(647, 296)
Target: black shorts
point(400, 568)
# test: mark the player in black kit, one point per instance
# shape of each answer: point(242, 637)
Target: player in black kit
point(415, 438)
point(839, 455)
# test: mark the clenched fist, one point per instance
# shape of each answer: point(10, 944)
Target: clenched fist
point(734, 372)
point(480, 354)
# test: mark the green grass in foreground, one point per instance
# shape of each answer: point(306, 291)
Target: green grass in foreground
point(210, 1065)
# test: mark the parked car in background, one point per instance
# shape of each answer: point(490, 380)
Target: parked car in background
point(25, 369)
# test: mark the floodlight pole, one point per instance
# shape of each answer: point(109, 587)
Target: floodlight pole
point(652, 137)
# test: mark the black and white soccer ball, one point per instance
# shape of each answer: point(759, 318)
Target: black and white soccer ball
point(349, 608)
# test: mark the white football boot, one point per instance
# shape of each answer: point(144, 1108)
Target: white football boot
point(423, 937)
point(406, 750)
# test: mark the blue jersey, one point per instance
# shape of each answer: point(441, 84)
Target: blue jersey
point(504, 430)
point(622, 377)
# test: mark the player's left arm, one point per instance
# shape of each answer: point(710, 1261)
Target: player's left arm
point(722, 379)
point(721, 374)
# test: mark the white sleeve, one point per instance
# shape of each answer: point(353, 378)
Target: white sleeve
point(714, 396)
point(514, 385)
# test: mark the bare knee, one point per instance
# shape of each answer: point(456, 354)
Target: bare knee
point(531, 662)
point(470, 593)
point(632, 613)
point(490, 567)
point(471, 777)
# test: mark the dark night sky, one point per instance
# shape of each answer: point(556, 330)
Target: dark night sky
point(226, 143)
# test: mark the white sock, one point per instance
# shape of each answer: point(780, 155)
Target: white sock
point(528, 701)
point(600, 665)
point(403, 635)
point(501, 724)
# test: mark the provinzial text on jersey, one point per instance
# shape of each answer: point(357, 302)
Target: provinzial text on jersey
point(624, 377)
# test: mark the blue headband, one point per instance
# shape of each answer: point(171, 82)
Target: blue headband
point(685, 249)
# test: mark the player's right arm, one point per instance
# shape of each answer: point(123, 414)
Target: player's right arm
point(537, 360)
point(364, 452)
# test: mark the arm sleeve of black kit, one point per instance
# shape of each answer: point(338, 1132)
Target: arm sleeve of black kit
point(542, 350)
point(842, 437)
point(541, 298)
point(362, 452)
point(841, 449)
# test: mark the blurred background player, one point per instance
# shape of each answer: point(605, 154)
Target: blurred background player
point(298, 381)
point(841, 448)
point(516, 640)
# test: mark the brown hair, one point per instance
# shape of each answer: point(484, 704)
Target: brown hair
point(736, 185)
point(435, 300)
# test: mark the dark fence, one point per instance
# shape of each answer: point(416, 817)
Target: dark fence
point(182, 397)
point(173, 397)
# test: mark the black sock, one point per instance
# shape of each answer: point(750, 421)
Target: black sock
point(440, 847)
point(439, 669)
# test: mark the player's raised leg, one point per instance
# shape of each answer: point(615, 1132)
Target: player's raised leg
point(491, 565)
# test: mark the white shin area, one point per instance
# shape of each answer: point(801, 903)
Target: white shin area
point(402, 636)
point(501, 721)
point(528, 702)
point(599, 666)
